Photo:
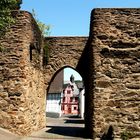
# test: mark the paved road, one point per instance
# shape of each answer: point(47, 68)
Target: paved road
point(68, 127)
point(6, 135)
point(57, 128)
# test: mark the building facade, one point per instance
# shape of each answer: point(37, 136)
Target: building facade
point(65, 99)
point(53, 107)
point(71, 98)
point(81, 88)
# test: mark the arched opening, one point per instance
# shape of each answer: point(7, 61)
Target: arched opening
point(65, 105)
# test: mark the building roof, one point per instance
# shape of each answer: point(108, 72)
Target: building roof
point(57, 83)
point(73, 86)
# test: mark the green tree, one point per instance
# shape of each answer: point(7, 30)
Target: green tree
point(10, 4)
point(6, 17)
point(45, 29)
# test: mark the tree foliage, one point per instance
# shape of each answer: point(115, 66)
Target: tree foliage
point(10, 4)
point(6, 18)
point(45, 29)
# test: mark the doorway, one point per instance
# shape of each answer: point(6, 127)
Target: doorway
point(69, 121)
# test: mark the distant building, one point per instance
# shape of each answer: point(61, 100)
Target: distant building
point(81, 88)
point(65, 98)
point(53, 107)
point(72, 98)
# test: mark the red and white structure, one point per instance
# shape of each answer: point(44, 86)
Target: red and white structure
point(70, 98)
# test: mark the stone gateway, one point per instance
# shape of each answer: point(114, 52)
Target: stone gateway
point(108, 61)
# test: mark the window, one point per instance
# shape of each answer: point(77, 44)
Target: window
point(63, 99)
point(34, 52)
point(71, 99)
point(75, 108)
point(76, 99)
point(68, 91)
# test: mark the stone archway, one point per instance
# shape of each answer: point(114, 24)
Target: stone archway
point(53, 88)
point(73, 52)
point(65, 117)
point(58, 80)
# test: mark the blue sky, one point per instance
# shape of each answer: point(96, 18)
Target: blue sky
point(71, 17)
point(68, 72)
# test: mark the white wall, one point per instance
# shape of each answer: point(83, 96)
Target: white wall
point(82, 103)
point(53, 102)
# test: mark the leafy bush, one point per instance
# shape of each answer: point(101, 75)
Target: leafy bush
point(45, 29)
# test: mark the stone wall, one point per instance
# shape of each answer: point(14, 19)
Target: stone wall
point(22, 95)
point(63, 52)
point(115, 37)
point(108, 61)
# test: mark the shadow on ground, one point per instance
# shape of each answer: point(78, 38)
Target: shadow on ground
point(74, 121)
point(67, 131)
point(72, 116)
point(72, 126)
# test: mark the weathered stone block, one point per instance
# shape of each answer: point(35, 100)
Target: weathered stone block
point(103, 84)
point(133, 86)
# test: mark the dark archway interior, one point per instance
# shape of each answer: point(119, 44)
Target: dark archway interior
point(86, 68)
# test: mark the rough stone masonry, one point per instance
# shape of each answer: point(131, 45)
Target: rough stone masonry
point(108, 60)
point(115, 37)
point(22, 94)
